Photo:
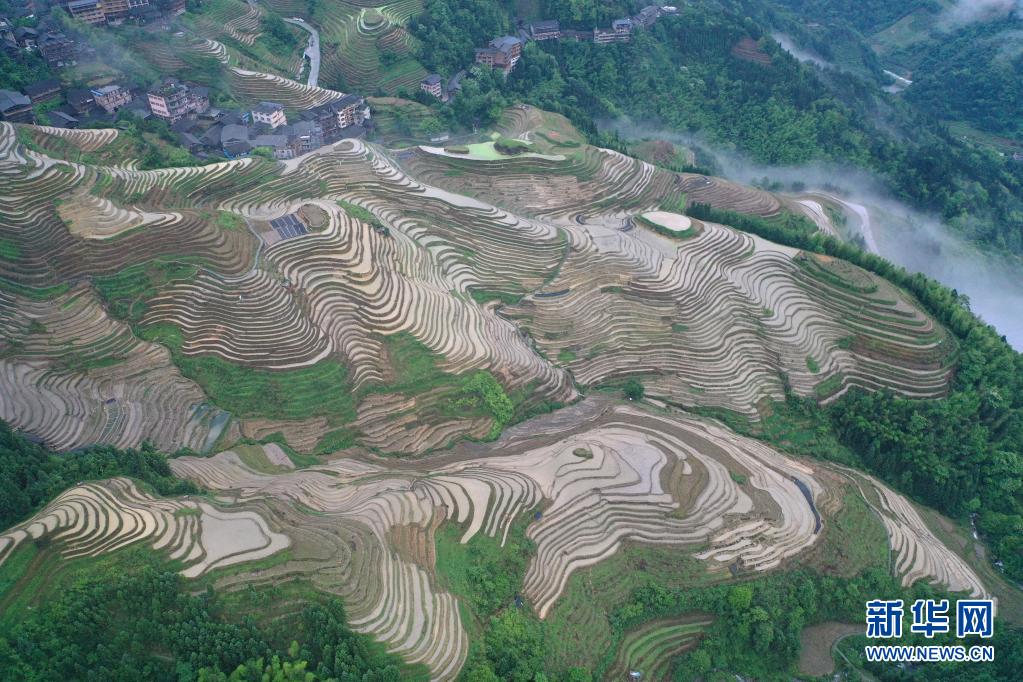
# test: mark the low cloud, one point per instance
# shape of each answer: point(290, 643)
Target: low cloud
point(917, 240)
point(970, 11)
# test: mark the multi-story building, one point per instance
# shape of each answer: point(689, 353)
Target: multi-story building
point(111, 97)
point(269, 113)
point(114, 10)
point(88, 11)
point(57, 49)
point(501, 53)
point(304, 136)
point(351, 110)
point(431, 85)
point(332, 118)
point(172, 100)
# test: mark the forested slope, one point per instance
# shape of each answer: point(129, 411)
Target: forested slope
point(682, 75)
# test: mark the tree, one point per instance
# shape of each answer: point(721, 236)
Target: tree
point(633, 389)
point(515, 645)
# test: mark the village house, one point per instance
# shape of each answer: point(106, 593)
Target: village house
point(545, 30)
point(80, 99)
point(431, 85)
point(22, 8)
point(88, 11)
point(26, 37)
point(173, 100)
point(351, 110)
point(277, 144)
point(234, 139)
point(15, 107)
point(8, 42)
point(647, 16)
point(270, 114)
point(62, 119)
point(502, 53)
point(111, 97)
point(454, 85)
point(57, 49)
point(304, 136)
point(621, 32)
point(43, 91)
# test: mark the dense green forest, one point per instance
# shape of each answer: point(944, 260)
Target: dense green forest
point(865, 15)
point(961, 71)
point(973, 75)
point(31, 475)
point(133, 619)
point(681, 74)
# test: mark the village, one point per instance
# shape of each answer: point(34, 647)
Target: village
point(208, 132)
point(504, 52)
point(205, 131)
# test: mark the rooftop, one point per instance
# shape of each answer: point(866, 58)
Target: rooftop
point(505, 43)
point(42, 87)
point(234, 133)
point(9, 99)
point(106, 90)
point(267, 107)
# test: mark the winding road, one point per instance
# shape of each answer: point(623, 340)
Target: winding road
point(312, 51)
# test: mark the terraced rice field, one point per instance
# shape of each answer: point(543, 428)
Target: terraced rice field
point(95, 518)
point(146, 305)
point(232, 32)
point(354, 34)
point(650, 648)
point(716, 320)
point(649, 479)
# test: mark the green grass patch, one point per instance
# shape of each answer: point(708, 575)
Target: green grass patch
point(485, 574)
point(566, 356)
point(126, 292)
point(510, 147)
point(812, 365)
point(359, 213)
point(34, 293)
point(580, 628)
point(482, 296)
point(229, 221)
point(415, 366)
point(854, 541)
point(320, 390)
point(338, 439)
point(829, 386)
point(665, 231)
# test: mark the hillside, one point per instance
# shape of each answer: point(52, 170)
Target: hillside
point(506, 383)
point(520, 394)
point(180, 290)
